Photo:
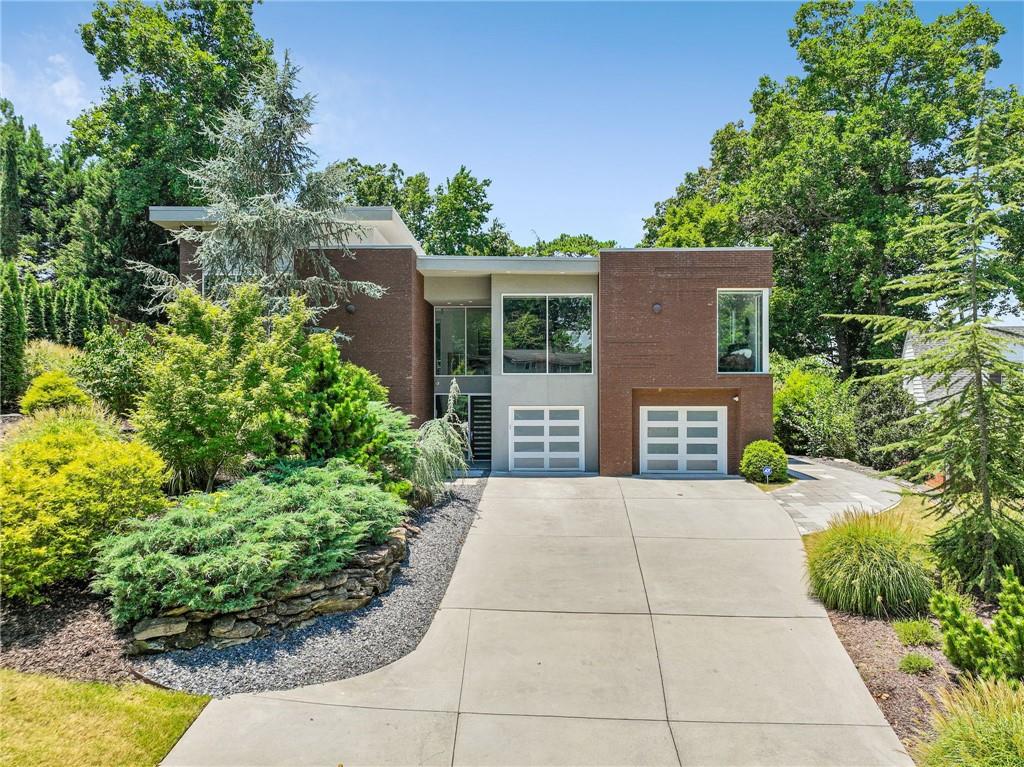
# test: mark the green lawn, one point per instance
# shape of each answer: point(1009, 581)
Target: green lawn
point(50, 721)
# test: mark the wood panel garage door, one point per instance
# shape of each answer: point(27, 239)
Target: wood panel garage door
point(545, 439)
point(683, 440)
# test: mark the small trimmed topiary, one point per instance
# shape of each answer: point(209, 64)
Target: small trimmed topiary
point(916, 663)
point(869, 564)
point(52, 389)
point(916, 632)
point(760, 454)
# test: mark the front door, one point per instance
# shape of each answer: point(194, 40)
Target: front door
point(683, 440)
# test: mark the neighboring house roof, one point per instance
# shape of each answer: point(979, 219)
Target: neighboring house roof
point(927, 389)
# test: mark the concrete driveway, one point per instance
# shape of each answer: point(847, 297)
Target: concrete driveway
point(592, 621)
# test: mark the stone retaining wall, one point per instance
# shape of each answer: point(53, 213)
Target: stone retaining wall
point(368, 573)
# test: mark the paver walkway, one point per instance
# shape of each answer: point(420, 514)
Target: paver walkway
point(823, 490)
point(592, 621)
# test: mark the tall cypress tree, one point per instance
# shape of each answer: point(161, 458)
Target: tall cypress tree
point(46, 304)
point(12, 336)
point(35, 317)
point(10, 205)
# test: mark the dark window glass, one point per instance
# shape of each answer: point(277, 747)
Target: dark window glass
point(450, 341)
point(740, 320)
point(569, 334)
point(478, 342)
point(524, 346)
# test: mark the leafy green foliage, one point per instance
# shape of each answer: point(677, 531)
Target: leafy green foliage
point(883, 438)
point(996, 651)
point(12, 335)
point(225, 382)
point(760, 454)
point(569, 245)
point(226, 550)
point(919, 631)
point(52, 389)
point(916, 663)
point(42, 356)
point(977, 723)
point(10, 202)
point(870, 565)
point(827, 174)
point(113, 368)
point(813, 412)
point(66, 481)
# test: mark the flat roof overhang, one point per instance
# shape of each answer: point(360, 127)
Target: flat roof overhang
point(478, 266)
point(382, 218)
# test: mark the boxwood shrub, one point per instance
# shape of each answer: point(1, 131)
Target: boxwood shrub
point(223, 551)
point(869, 564)
point(67, 481)
point(759, 454)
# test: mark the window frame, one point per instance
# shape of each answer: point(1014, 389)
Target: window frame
point(547, 333)
point(465, 336)
point(764, 293)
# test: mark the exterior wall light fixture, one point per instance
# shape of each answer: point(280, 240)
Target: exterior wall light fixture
point(350, 308)
point(656, 308)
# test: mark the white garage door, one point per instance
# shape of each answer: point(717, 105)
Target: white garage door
point(545, 438)
point(683, 440)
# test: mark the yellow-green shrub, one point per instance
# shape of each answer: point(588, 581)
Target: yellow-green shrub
point(52, 389)
point(66, 481)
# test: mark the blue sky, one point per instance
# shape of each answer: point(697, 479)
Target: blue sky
point(583, 115)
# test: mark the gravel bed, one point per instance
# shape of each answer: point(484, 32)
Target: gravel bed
point(345, 644)
point(876, 652)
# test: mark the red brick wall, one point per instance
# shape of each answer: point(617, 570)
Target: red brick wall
point(393, 335)
point(670, 358)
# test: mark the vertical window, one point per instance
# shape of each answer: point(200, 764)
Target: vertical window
point(741, 316)
point(524, 330)
point(547, 334)
point(478, 342)
point(569, 341)
point(462, 341)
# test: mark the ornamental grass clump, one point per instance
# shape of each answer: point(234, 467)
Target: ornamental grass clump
point(869, 564)
point(224, 551)
point(979, 723)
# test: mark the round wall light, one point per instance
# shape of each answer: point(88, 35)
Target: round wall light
point(656, 308)
point(350, 308)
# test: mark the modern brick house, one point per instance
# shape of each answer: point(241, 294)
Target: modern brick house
point(638, 361)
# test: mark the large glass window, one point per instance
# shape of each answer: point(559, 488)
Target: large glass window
point(741, 331)
point(462, 341)
point(547, 334)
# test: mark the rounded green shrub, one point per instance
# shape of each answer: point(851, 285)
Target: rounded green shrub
point(869, 564)
point(67, 481)
point(52, 389)
point(760, 454)
point(916, 632)
point(916, 663)
point(979, 723)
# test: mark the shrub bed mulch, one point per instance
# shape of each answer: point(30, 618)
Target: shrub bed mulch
point(71, 634)
point(876, 652)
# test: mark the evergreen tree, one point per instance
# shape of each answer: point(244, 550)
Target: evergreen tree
point(35, 315)
point(46, 306)
point(275, 215)
point(12, 336)
point(10, 204)
point(77, 309)
point(972, 435)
